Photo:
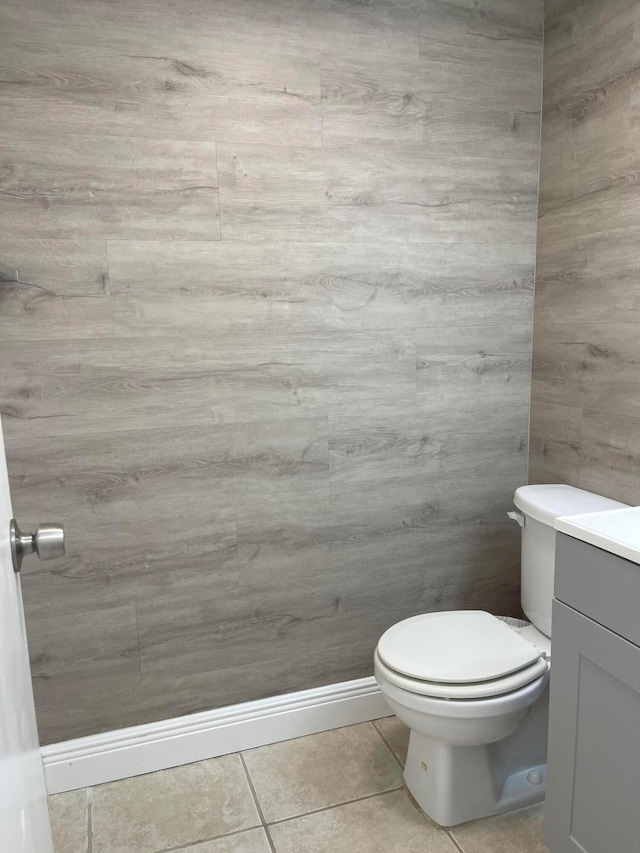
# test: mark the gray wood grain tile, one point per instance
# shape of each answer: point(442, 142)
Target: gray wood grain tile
point(64, 290)
point(557, 180)
point(395, 194)
point(141, 383)
point(600, 191)
point(57, 593)
point(95, 651)
point(474, 366)
point(165, 497)
point(218, 688)
point(159, 698)
point(589, 280)
point(300, 27)
point(73, 268)
point(182, 289)
point(280, 460)
point(28, 313)
point(574, 33)
point(555, 443)
point(180, 487)
point(209, 632)
point(588, 366)
point(590, 71)
point(73, 186)
point(81, 386)
point(263, 619)
point(261, 422)
point(453, 108)
point(611, 456)
point(585, 366)
point(501, 33)
point(404, 523)
point(411, 444)
point(176, 88)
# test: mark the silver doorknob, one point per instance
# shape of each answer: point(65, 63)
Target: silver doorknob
point(47, 542)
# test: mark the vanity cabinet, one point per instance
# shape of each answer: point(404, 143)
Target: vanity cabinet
point(593, 786)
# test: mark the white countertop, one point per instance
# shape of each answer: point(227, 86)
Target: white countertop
point(615, 530)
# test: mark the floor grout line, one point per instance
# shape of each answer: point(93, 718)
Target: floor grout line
point(254, 794)
point(89, 820)
point(453, 841)
point(193, 844)
point(386, 743)
point(336, 805)
point(270, 840)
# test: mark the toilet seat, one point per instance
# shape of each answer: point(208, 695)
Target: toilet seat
point(459, 654)
point(473, 690)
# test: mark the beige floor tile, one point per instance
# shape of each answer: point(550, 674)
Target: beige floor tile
point(519, 831)
point(396, 735)
point(300, 776)
point(173, 807)
point(253, 841)
point(378, 825)
point(68, 816)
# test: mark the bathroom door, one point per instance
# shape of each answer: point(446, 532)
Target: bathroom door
point(24, 820)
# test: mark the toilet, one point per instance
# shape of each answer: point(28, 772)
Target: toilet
point(473, 687)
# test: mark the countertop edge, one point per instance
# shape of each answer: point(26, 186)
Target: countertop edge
point(578, 527)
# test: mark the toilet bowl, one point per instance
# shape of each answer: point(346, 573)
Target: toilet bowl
point(473, 687)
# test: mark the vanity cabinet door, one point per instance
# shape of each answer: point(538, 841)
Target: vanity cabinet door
point(593, 786)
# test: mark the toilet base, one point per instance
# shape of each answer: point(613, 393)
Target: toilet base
point(454, 784)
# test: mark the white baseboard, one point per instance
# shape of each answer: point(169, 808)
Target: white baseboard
point(155, 746)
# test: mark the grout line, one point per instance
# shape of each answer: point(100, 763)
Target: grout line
point(251, 787)
point(89, 820)
point(257, 802)
point(453, 841)
point(386, 743)
point(270, 839)
point(193, 844)
point(337, 805)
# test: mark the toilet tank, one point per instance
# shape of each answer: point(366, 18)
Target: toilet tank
point(540, 506)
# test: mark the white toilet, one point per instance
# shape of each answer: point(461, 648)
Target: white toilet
point(472, 687)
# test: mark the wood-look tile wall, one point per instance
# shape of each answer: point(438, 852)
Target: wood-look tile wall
point(271, 368)
point(585, 427)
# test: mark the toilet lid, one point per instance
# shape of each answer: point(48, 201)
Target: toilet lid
point(455, 647)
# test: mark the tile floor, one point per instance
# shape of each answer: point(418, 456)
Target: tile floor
point(335, 792)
